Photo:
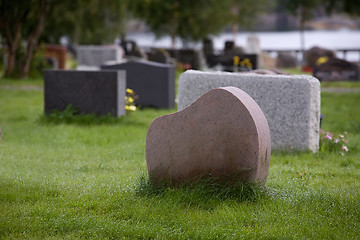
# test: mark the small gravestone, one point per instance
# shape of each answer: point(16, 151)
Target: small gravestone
point(337, 70)
point(159, 55)
point(95, 56)
point(291, 103)
point(224, 134)
point(286, 60)
point(153, 82)
point(312, 55)
point(57, 53)
point(91, 92)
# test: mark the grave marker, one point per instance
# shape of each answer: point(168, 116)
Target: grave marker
point(291, 103)
point(95, 56)
point(223, 134)
point(153, 82)
point(91, 92)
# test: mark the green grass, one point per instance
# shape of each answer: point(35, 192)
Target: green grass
point(86, 178)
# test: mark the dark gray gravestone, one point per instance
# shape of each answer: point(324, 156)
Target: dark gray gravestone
point(91, 92)
point(337, 70)
point(153, 82)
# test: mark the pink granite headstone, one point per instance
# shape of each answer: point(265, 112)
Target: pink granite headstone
point(223, 134)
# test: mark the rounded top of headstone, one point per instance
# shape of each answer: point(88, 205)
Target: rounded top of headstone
point(222, 134)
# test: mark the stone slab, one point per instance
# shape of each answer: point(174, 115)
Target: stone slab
point(223, 134)
point(291, 103)
point(153, 82)
point(92, 92)
point(95, 56)
point(337, 70)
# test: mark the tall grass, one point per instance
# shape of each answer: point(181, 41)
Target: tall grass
point(85, 177)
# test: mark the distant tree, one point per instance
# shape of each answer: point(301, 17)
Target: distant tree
point(21, 20)
point(87, 21)
point(187, 19)
point(304, 10)
point(244, 12)
point(351, 7)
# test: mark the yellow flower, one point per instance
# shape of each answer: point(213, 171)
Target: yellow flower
point(322, 60)
point(132, 108)
point(130, 100)
point(129, 91)
point(236, 60)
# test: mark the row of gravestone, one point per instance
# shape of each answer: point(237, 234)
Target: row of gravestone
point(291, 103)
point(92, 57)
point(102, 91)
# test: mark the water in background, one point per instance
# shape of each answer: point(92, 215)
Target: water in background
point(341, 39)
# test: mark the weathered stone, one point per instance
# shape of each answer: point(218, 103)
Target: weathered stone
point(291, 103)
point(91, 92)
point(153, 82)
point(224, 134)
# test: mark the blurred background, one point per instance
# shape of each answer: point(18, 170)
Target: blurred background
point(40, 34)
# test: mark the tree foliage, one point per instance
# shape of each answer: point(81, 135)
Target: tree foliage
point(87, 21)
point(20, 21)
point(187, 19)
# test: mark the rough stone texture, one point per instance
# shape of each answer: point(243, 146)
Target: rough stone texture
point(223, 134)
point(291, 103)
point(95, 56)
point(153, 82)
point(92, 92)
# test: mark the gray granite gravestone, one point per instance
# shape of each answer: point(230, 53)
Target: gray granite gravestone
point(153, 82)
point(94, 56)
point(91, 92)
point(291, 103)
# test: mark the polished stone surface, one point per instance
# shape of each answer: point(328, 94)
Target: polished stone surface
point(223, 134)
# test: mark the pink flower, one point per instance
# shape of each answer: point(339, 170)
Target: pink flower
point(345, 148)
point(328, 136)
point(336, 140)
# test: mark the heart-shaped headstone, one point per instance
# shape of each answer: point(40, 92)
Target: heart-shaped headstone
point(223, 134)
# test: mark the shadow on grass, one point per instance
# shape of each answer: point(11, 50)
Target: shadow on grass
point(205, 194)
point(72, 116)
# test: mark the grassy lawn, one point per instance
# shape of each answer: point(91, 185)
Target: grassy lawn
point(87, 179)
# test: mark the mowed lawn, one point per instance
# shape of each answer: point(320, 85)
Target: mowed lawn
point(86, 178)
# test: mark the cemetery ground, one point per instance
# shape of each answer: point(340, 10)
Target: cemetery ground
point(65, 177)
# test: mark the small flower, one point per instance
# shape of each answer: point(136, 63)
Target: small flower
point(129, 91)
point(328, 136)
point(341, 136)
point(344, 148)
point(336, 140)
point(300, 174)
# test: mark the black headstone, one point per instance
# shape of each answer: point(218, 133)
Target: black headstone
point(337, 70)
point(153, 82)
point(91, 92)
